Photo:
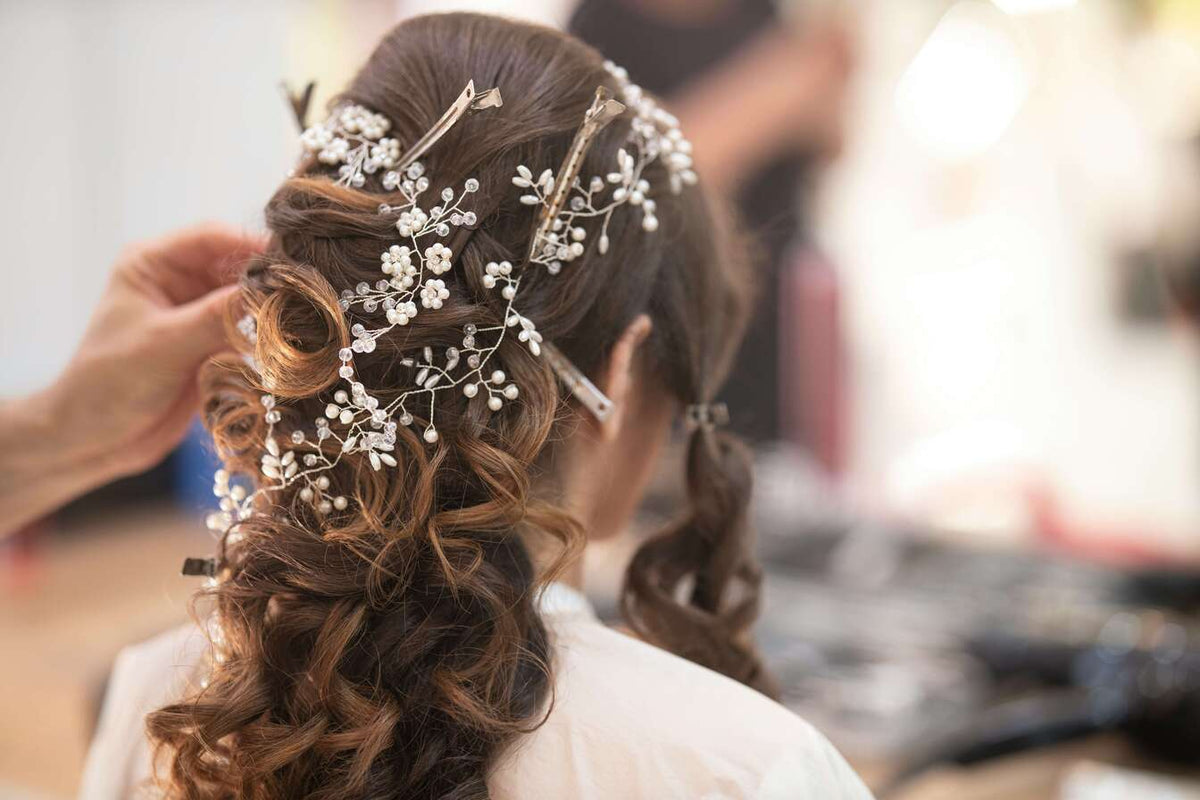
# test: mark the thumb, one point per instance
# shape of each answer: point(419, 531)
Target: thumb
point(196, 330)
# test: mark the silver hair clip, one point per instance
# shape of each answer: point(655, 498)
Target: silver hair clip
point(706, 415)
point(602, 111)
point(359, 425)
point(468, 100)
point(586, 392)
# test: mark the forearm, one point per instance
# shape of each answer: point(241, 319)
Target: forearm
point(747, 111)
point(39, 470)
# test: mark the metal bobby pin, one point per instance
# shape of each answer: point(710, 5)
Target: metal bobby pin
point(602, 111)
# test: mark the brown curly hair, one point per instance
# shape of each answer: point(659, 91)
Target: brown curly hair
point(392, 649)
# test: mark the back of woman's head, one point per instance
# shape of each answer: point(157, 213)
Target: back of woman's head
point(388, 644)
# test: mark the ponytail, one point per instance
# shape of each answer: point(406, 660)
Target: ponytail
point(694, 587)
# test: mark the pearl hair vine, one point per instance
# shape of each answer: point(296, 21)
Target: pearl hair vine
point(356, 422)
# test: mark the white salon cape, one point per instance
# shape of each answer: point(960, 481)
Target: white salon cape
point(629, 721)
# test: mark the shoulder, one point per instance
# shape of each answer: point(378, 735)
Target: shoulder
point(630, 719)
point(144, 677)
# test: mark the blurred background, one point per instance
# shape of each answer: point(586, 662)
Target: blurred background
point(972, 382)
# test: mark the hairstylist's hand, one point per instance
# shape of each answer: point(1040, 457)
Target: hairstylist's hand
point(129, 392)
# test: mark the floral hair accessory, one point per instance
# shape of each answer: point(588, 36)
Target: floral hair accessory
point(358, 424)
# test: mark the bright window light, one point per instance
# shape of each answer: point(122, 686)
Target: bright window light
point(965, 85)
point(1032, 6)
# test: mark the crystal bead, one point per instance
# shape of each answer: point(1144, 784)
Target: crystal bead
point(469, 218)
point(471, 185)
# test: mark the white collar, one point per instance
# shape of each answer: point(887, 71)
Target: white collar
point(559, 599)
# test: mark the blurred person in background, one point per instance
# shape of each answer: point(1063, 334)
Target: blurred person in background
point(397, 636)
point(762, 95)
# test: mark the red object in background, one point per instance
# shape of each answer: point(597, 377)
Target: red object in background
point(1112, 545)
point(814, 406)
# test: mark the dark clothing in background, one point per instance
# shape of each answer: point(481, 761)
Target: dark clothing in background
point(663, 57)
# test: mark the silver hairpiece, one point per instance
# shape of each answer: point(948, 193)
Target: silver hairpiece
point(356, 422)
point(706, 415)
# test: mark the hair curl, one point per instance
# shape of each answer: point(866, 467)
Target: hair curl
point(393, 649)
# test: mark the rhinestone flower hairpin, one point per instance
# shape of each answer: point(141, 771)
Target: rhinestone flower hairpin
point(358, 424)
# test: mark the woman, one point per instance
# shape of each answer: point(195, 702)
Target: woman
point(442, 394)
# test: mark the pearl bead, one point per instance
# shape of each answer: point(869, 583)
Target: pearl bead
point(498, 376)
point(494, 403)
point(332, 411)
point(470, 390)
point(431, 435)
point(340, 503)
point(511, 391)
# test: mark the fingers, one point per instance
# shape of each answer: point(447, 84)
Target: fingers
point(187, 264)
point(196, 330)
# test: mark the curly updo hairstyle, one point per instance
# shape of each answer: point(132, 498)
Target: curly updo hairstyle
point(393, 648)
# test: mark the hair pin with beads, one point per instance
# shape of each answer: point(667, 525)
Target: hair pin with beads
point(358, 424)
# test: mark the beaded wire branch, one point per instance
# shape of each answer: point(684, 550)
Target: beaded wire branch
point(356, 423)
